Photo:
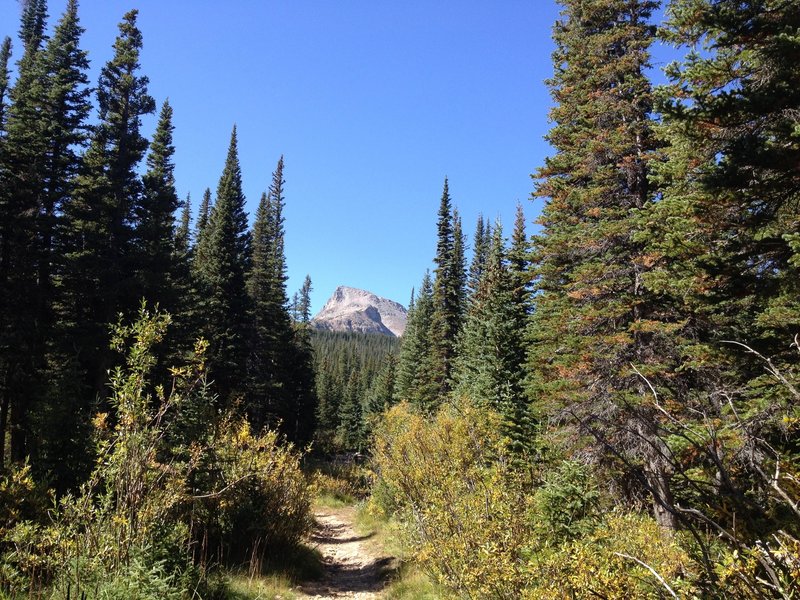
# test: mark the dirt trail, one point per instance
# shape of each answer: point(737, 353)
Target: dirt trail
point(351, 570)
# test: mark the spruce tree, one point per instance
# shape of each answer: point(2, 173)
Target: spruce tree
point(222, 270)
point(448, 292)
point(480, 253)
point(22, 189)
point(202, 215)
point(280, 365)
point(67, 106)
point(157, 268)
point(98, 242)
point(417, 362)
point(5, 80)
point(519, 258)
point(183, 232)
point(5, 218)
point(304, 301)
point(34, 20)
point(489, 370)
point(724, 236)
point(591, 306)
point(721, 241)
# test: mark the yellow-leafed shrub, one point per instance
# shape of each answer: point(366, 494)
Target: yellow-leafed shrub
point(614, 561)
point(449, 477)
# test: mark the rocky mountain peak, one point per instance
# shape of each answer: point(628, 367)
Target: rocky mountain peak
point(352, 309)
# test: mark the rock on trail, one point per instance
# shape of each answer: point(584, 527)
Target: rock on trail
point(351, 570)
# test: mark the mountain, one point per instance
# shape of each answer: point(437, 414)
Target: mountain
point(351, 309)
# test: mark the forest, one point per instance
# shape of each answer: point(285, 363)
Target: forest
point(605, 406)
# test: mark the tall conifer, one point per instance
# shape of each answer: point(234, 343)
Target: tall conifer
point(222, 271)
point(587, 327)
point(22, 190)
point(480, 252)
point(489, 369)
point(157, 268)
point(99, 250)
point(417, 362)
point(448, 292)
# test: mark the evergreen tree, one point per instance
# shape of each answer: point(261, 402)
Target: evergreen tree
point(222, 264)
point(5, 218)
point(34, 20)
point(724, 235)
point(350, 430)
point(417, 363)
point(448, 292)
point(271, 327)
point(480, 255)
point(280, 364)
point(155, 220)
point(721, 239)
point(490, 365)
point(304, 301)
point(381, 393)
point(99, 247)
point(202, 215)
point(590, 306)
point(5, 80)
point(519, 264)
point(22, 188)
point(183, 233)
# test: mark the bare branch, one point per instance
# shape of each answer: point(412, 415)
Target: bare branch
point(652, 570)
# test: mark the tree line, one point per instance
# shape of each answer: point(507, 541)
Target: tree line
point(84, 238)
point(641, 347)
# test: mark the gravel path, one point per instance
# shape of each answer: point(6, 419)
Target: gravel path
point(351, 571)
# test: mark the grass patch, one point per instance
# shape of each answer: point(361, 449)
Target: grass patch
point(327, 500)
point(300, 563)
point(271, 587)
point(412, 584)
point(275, 578)
point(407, 582)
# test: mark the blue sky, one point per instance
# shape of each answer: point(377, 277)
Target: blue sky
point(371, 103)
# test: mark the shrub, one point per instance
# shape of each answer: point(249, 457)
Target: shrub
point(162, 487)
point(450, 479)
point(611, 561)
point(257, 501)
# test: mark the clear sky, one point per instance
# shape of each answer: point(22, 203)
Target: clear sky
point(372, 103)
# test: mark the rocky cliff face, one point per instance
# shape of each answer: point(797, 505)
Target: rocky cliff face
point(351, 309)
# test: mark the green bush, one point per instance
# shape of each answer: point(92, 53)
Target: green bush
point(162, 492)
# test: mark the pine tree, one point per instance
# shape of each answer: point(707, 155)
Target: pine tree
point(222, 269)
point(448, 292)
point(183, 233)
point(417, 362)
point(590, 306)
point(489, 370)
point(99, 274)
point(22, 189)
point(304, 301)
point(157, 268)
point(480, 254)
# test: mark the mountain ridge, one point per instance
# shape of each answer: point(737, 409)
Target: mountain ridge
point(361, 311)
